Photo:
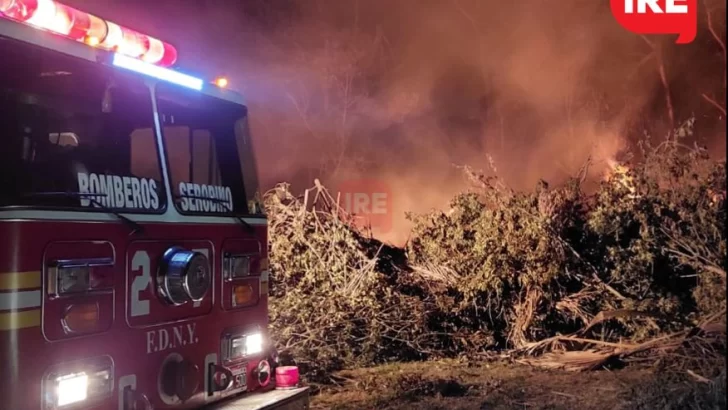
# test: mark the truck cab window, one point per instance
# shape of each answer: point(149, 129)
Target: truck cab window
point(75, 135)
point(192, 155)
point(204, 156)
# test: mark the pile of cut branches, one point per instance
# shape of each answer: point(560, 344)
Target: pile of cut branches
point(641, 257)
point(335, 297)
point(636, 268)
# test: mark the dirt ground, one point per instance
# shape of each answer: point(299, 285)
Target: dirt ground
point(459, 385)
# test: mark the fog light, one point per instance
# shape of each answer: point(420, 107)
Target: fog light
point(86, 381)
point(72, 388)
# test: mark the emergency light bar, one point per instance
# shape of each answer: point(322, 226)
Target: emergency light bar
point(89, 29)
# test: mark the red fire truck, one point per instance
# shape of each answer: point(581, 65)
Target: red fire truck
point(133, 246)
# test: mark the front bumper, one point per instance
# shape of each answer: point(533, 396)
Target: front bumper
point(294, 399)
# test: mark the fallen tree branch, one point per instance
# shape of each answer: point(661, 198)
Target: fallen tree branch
point(619, 313)
point(589, 357)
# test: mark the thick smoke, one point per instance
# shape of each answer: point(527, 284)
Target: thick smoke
point(403, 90)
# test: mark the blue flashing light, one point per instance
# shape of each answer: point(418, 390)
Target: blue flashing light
point(158, 72)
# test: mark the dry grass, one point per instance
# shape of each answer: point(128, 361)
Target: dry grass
point(498, 384)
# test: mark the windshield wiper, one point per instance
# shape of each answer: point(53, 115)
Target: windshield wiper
point(136, 228)
point(248, 227)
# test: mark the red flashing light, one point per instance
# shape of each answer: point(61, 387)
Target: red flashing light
point(170, 56)
point(18, 10)
point(80, 24)
point(84, 27)
point(109, 36)
point(133, 44)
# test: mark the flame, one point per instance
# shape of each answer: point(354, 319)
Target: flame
point(620, 174)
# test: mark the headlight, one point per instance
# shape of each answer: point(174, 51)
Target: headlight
point(253, 344)
point(236, 266)
point(64, 389)
point(75, 276)
point(72, 388)
point(69, 279)
point(243, 345)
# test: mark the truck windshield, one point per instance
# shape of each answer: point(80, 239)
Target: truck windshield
point(209, 153)
point(75, 127)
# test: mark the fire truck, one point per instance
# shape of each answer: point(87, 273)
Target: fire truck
point(133, 245)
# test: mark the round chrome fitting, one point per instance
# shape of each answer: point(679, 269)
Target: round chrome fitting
point(184, 276)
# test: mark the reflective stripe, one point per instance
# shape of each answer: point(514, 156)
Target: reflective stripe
point(20, 280)
point(20, 320)
point(19, 300)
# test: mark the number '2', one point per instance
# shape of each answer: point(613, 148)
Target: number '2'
point(142, 280)
point(140, 261)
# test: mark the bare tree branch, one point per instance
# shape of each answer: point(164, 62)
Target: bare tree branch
point(717, 38)
point(663, 78)
point(642, 62)
point(648, 41)
point(715, 104)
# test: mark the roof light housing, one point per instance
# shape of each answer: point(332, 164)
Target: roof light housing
point(94, 31)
